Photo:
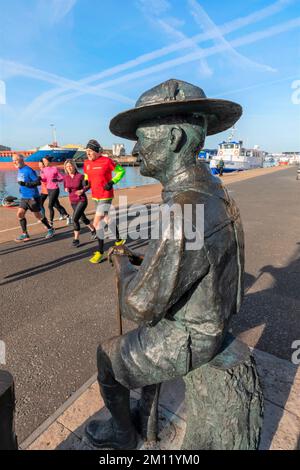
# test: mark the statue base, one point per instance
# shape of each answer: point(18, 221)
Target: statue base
point(224, 403)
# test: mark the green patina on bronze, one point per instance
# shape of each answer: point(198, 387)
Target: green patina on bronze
point(181, 299)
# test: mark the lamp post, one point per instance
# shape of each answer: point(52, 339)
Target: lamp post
point(54, 137)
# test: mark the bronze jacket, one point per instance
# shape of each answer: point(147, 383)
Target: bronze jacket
point(196, 287)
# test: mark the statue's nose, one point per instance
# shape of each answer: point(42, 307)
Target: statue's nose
point(136, 150)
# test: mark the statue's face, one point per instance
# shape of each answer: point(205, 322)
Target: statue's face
point(153, 146)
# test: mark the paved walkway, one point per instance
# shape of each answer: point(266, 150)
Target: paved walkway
point(281, 429)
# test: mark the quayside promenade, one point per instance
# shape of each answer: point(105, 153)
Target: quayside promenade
point(56, 307)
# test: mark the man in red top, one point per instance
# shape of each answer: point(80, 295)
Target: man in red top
point(98, 172)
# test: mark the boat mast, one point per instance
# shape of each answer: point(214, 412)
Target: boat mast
point(231, 135)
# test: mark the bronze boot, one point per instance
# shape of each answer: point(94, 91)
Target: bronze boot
point(118, 432)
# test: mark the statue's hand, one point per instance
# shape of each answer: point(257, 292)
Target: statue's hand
point(118, 251)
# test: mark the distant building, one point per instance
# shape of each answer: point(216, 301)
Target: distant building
point(118, 150)
point(293, 157)
point(107, 151)
point(4, 149)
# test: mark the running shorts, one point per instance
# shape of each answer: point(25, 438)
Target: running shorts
point(34, 204)
point(103, 206)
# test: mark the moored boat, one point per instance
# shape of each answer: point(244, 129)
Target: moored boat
point(58, 155)
point(236, 157)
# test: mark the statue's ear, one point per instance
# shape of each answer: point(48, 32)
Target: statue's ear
point(177, 138)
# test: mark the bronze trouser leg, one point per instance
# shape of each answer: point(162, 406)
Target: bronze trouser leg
point(148, 412)
point(116, 397)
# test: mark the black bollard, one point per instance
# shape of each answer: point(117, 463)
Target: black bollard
point(8, 439)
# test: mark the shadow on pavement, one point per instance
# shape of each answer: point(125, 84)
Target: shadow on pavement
point(276, 310)
point(37, 240)
point(78, 255)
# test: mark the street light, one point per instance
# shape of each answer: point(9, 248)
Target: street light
point(54, 138)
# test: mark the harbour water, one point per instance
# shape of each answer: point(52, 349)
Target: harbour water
point(10, 187)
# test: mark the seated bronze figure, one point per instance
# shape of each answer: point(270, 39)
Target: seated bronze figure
point(181, 299)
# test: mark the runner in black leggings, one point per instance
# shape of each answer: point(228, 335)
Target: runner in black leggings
point(79, 215)
point(74, 185)
point(44, 195)
point(53, 201)
point(44, 191)
point(51, 176)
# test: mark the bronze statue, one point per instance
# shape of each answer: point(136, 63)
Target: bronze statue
point(182, 299)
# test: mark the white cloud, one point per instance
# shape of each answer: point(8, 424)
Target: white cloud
point(171, 26)
point(61, 8)
point(192, 57)
point(175, 33)
point(174, 22)
point(53, 11)
point(255, 86)
point(203, 20)
point(14, 68)
point(208, 52)
point(51, 96)
point(260, 15)
point(2, 92)
point(156, 7)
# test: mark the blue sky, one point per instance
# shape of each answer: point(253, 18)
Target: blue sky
point(77, 63)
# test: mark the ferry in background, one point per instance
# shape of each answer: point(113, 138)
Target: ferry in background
point(236, 157)
point(58, 156)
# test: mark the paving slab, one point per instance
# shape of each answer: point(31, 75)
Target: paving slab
point(281, 429)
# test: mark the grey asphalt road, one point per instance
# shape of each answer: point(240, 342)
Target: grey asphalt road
point(56, 307)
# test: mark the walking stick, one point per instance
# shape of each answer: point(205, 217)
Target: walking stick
point(119, 316)
point(149, 426)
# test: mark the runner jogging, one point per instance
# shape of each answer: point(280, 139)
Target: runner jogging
point(98, 173)
point(74, 185)
point(43, 190)
point(30, 198)
point(51, 176)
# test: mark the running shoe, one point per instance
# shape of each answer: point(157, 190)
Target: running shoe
point(62, 217)
point(69, 220)
point(96, 258)
point(22, 238)
point(93, 235)
point(50, 233)
point(51, 223)
point(120, 243)
point(75, 243)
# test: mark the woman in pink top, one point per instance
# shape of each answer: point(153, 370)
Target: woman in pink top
point(51, 177)
point(43, 190)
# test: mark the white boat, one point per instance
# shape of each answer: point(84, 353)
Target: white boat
point(269, 161)
point(236, 157)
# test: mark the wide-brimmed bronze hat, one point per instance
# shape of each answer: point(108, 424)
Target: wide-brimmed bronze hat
point(173, 98)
